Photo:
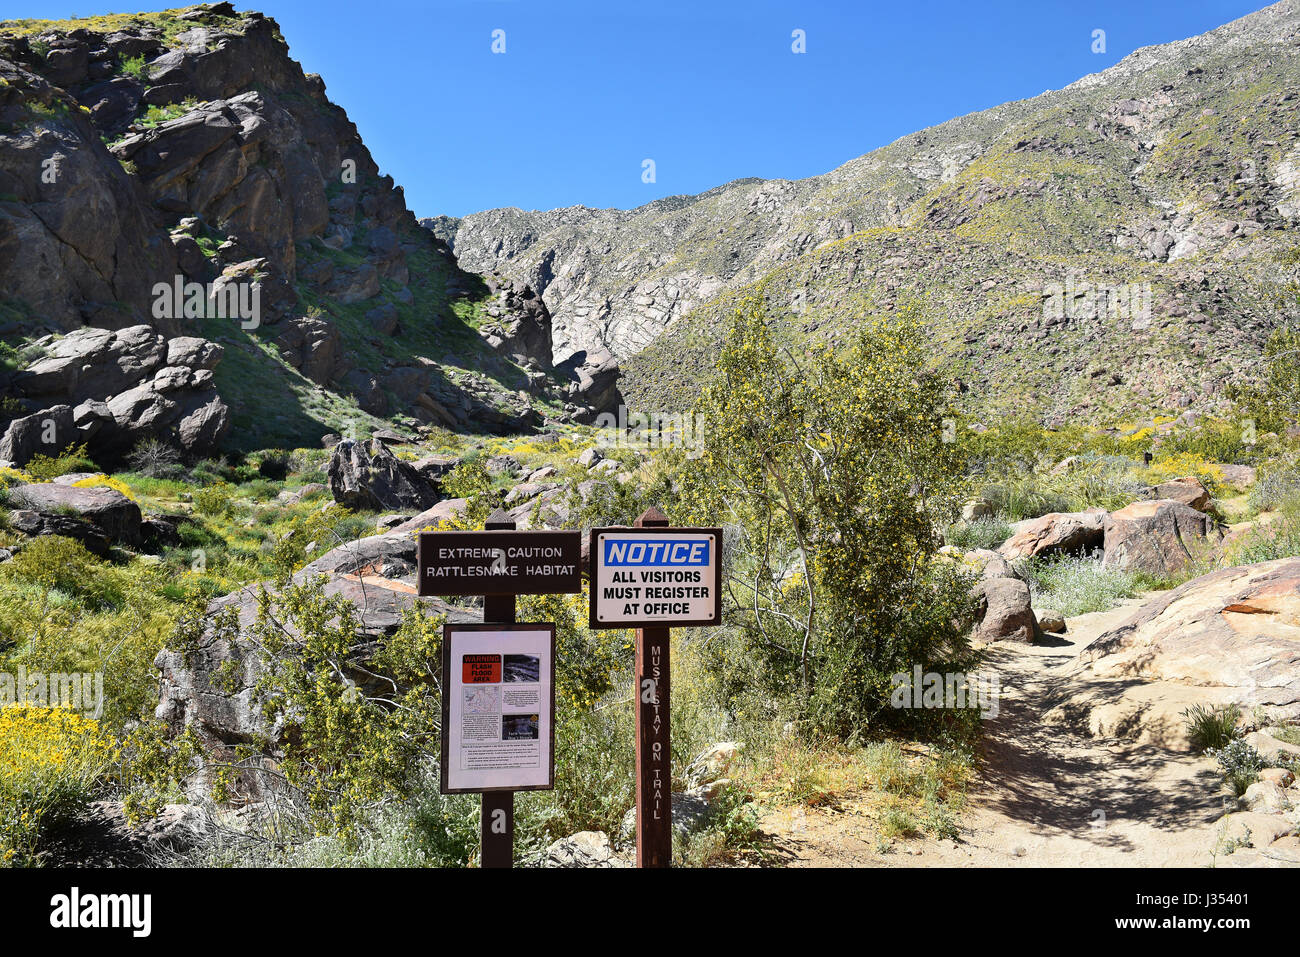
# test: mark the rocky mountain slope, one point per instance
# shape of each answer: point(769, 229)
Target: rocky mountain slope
point(195, 245)
point(1122, 244)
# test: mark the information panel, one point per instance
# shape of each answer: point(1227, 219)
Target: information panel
point(498, 708)
point(643, 577)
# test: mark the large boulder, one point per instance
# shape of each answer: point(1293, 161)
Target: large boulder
point(114, 515)
point(1160, 538)
point(95, 362)
point(41, 433)
point(1055, 533)
point(368, 477)
point(34, 523)
point(1234, 634)
point(584, 849)
point(312, 346)
point(1187, 491)
point(596, 385)
point(1005, 611)
point(519, 324)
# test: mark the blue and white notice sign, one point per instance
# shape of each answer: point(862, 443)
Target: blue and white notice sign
point(642, 577)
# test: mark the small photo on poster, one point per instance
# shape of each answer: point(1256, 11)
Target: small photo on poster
point(519, 727)
point(484, 699)
point(523, 668)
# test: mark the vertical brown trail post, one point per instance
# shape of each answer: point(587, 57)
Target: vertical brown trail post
point(654, 809)
point(497, 828)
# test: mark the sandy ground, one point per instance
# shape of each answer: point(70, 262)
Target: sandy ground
point(1047, 796)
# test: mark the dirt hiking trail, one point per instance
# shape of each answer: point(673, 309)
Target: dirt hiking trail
point(1045, 796)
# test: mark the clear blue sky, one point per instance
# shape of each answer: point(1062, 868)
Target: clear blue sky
point(708, 89)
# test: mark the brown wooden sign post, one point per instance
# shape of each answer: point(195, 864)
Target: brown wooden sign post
point(654, 773)
point(499, 563)
point(651, 578)
point(497, 828)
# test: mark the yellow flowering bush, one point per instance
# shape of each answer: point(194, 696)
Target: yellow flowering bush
point(50, 761)
point(10, 477)
point(94, 481)
point(1183, 464)
point(45, 468)
point(833, 467)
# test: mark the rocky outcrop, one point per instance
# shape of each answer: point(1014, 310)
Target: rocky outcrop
point(110, 389)
point(1229, 637)
point(584, 849)
point(1160, 538)
point(1186, 491)
point(1055, 533)
point(114, 516)
point(79, 244)
point(519, 324)
point(212, 689)
point(369, 477)
point(188, 174)
point(313, 347)
point(1236, 630)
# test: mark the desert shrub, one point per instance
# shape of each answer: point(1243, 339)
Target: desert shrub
point(1077, 585)
point(1182, 464)
point(733, 827)
point(209, 472)
point(470, 480)
point(135, 66)
point(345, 751)
point(155, 459)
point(898, 822)
point(308, 461)
point(832, 472)
point(105, 481)
point(51, 759)
point(1240, 764)
point(259, 490)
point(1279, 538)
point(64, 611)
point(1212, 728)
point(1273, 488)
point(1274, 398)
point(53, 561)
point(1016, 498)
point(43, 468)
point(987, 532)
point(1215, 440)
point(888, 769)
point(12, 476)
point(1102, 481)
point(216, 500)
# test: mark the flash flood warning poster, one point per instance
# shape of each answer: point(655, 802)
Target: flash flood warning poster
point(499, 708)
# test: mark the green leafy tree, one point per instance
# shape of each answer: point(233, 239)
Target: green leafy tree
point(1274, 401)
point(832, 469)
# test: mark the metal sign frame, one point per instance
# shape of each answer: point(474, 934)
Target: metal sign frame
point(449, 630)
point(499, 584)
point(641, 532)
